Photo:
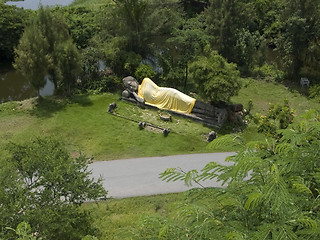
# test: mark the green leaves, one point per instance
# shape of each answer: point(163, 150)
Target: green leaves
point(12, 21)
point(47, 189)
point(175, 174)
point(273, 188)
point(216, 79)
point(46, 48)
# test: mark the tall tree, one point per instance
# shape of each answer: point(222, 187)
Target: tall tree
point(32, 58)
point(69, 63)
point(186, 43)
point(50, 34)
point(136, 27)
point(299, 34)
point(233, 27)
point(55, 30)
point(133, 14)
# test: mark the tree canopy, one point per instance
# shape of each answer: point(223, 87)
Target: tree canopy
point(12, 22)
point(46, 48)
point(216, 79)
point(41, 184)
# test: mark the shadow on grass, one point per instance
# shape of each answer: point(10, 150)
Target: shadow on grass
point(46, 107)
point(295, 87)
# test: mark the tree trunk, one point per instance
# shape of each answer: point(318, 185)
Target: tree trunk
point(186, 78)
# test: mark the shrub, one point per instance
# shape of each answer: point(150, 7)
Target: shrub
point(216, 79)
point(269, 73)
point(315, 92)
point(143, 71)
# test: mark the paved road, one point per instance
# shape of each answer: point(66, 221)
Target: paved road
point(140, 176)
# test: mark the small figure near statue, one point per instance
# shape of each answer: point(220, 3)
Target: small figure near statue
point(149, 94)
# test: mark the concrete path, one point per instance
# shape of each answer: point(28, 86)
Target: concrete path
point(140, 177)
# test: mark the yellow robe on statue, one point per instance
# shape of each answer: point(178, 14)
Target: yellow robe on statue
point(165, 98)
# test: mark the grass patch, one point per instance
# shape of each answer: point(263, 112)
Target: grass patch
point(83, 123)
point(114, 217)
point(262, 93)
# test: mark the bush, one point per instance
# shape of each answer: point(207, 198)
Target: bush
point(269, 72)
point(104, 83)
point(143, 71)
point(315, 92)
point(216, 79)
point(278, 117)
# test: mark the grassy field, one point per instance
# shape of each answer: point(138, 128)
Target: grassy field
point(83, 123)
point(262, 93)
point(116, 218)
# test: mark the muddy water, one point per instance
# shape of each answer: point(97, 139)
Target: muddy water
point(13, 86)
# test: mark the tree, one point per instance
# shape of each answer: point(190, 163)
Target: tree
point(234, 30)
point(46, 48)
point(272, 193)
point(69, 63)
point(133, 14)
point(83, 23)
point(32, 58)
point(187, 42)
point(133, 28)
point(45, 187)
point(298, 36)
point(12, 21)
point(54, 28)
point(216, 79)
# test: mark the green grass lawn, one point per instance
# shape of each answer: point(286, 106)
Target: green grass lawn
point(116, 218)
point(84, 125)
point(262, 93)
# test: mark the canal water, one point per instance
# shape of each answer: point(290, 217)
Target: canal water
point(34, 4)
point(15, 87)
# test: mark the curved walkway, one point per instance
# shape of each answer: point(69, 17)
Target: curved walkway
point(140, 176)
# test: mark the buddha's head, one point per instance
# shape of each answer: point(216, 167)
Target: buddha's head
point(131, 83)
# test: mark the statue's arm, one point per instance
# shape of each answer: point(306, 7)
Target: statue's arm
point(138, 98)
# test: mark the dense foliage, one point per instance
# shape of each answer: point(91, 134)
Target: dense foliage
point(42, 185)
point(272, 192)
point(216, 79)
point(46, 48)
point(263, 38)
point(12, 20)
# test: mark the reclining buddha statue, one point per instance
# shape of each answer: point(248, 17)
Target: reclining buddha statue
point(149, 94)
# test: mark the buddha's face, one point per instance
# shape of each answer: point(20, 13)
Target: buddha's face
point(131, 83)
